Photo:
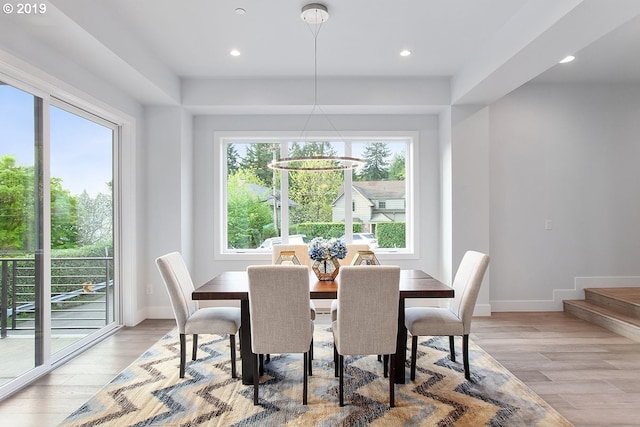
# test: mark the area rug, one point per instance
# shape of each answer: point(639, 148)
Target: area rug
point(149, 392)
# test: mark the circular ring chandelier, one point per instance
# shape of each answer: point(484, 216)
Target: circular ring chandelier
point(316, 163)
point(316, 14)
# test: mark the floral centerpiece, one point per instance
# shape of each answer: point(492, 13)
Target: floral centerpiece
point(325, 254)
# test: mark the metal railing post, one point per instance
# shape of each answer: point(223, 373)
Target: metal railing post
point(5, 302)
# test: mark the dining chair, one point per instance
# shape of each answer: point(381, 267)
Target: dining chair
point(367, 317)
point(352, 250)
point(190, 319)
point(455, 319)
point(279, 313)
point(302, 254)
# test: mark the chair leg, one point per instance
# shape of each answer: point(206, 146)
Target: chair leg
point(232, 345)
point(465, 356)
point(306, 378)
point(261, 364)
point(341, 382)
point(385, 362)
point(183, 353)
point(335, 360)
point(379, 358)
point(256, 378)
point(392, 381)
point(310, 363)
point(195, 347)
point(267, 358)
point(311, 351)
point(452, 348)
point(414, 354)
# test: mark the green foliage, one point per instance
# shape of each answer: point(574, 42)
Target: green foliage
point(397, 168)
point(249, 219)
point(314, 192)
point(256, 159)
point(391, 234)
point(233, 159)
point(376, 166)
point(64, 217)
point(16, 200)
point(326, 230)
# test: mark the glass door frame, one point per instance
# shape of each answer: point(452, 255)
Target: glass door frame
point(44, 360)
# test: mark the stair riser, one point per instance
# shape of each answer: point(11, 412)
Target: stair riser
point(614, 325)
point(628, 309)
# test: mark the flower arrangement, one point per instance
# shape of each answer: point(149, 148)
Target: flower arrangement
point(322, 249)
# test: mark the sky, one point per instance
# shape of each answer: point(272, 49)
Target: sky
point(81, 150)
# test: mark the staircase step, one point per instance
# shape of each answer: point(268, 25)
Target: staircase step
point(614, 321)
point(622, 300)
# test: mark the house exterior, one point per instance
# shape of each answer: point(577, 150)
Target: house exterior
point(373, 202)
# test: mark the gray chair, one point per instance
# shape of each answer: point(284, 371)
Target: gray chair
point(279, 311)
point(190, 319)
point(455, 319)
point(367, 317)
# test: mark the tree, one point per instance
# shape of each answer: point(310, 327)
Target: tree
point(256, 159)
point(233, 159)
point(95, 224)
point(16, 202)
point(309, 149)
point(376, 164)
point(64, 217)
point(314, 192)
point(397, 168)
point(248, 217)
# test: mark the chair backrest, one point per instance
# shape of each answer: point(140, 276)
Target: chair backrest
point(302, 253)
point(352, 250)
point(178, 281)
point(466, 286)
point(279, 309)
point(367, 318)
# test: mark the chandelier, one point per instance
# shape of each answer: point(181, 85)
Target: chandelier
point(314, 15)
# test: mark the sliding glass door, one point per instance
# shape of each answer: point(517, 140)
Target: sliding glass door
point(58, 288)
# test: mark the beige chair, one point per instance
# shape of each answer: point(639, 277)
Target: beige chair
point(352, 250)
point(302, 254)
point(301, 251)
point(454, 320)
point(367, 317)
point(279, 311)
point(191, 319)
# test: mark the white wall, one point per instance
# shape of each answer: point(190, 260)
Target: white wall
point(568, 154)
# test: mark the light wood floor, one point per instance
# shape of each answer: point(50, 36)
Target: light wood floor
point(588, 374)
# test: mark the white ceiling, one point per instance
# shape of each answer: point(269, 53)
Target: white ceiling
point(485, 47)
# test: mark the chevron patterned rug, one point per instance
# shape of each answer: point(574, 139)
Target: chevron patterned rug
point(150, 393)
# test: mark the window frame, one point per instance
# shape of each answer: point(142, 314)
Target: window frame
point(220, 140)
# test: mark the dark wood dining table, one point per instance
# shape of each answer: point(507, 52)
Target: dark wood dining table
point(233, 285)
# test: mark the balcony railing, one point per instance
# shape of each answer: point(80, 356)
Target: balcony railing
point(81, 293)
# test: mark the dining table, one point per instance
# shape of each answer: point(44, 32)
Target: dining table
point(234, 285)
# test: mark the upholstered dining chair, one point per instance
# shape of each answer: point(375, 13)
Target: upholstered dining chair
point(455, 319)
point(367, 317)
point(190, 319)
point(279, 312)
point(302, 254)
point(352, 250)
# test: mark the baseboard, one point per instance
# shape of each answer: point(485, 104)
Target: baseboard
point(559, 295)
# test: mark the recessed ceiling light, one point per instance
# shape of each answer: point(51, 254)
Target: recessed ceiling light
point(405, 53)
point(234, 52)
point(240, 11)
point(567, 59)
